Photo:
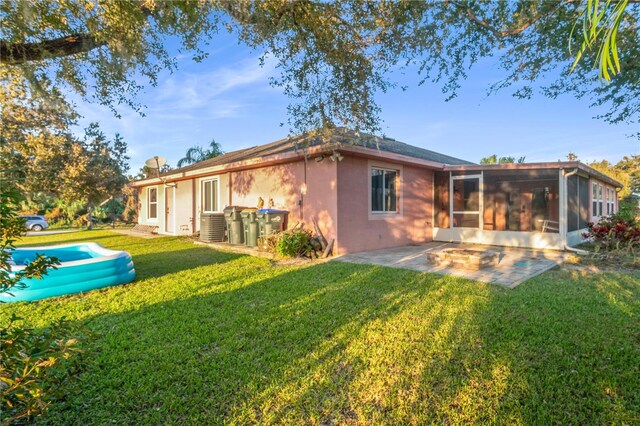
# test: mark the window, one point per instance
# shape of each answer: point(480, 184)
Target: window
point(597, 199)
point(600, 212)
point(210, 196)
point(152, 203)
point(611, 201)
point(466, 202)
point(384, 193)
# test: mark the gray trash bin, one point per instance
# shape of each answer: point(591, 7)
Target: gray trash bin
point(272, 221)
point(250, 227)
point(235, 229)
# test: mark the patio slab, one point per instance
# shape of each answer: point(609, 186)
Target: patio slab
point(515, 265)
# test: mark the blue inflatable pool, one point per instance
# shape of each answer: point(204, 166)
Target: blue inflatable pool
point(83, 267)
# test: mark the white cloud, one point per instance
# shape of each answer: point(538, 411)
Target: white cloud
point(188, 91)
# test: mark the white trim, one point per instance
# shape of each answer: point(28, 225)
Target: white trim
point(217, 201)
point(382, 215)
point(538, 240)
point(599, 199)
point(480, 211)
point(563, 203)
point(175, 219)
point(157, 203)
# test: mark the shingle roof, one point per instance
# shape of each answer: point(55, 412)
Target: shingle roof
point(333, 139)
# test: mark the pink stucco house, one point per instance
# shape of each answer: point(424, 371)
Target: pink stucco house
point(371, 193)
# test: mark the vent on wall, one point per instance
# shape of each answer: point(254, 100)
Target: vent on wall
point(212, 227)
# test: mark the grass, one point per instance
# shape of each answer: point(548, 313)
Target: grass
point(205, 337)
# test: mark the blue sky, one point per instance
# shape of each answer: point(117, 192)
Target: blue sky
point(228, 98)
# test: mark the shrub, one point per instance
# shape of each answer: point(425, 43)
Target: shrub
point(33, 366)
point(628, 209)
point(615, 232)
point(294, 243)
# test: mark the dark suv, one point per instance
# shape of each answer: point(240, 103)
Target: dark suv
point(35, 223)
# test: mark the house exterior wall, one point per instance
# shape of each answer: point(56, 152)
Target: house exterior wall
point(338, 195)
point(281, 183)
point(285, 184)
point(359, 229)
point(595, 215)
point(143, 216)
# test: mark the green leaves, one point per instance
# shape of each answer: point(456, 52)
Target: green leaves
point(34, 363)
point(600, 27)
point(334, 58)
point(294, 243)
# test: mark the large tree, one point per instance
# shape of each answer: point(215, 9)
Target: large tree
point(44, 154)
point(333, 57)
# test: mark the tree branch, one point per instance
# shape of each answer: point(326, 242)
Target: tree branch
point(471, 15)
point(20, 53)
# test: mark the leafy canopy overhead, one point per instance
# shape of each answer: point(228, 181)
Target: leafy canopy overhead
point(333, 57)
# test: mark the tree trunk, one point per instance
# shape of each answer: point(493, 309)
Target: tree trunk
point(90, 217)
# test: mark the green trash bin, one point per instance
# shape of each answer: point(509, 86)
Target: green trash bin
point(235, 228)
point(250, 227)
point(272, 221)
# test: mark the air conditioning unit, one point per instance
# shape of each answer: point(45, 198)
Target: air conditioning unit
point(212, 227)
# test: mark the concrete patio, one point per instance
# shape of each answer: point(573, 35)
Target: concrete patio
point(515, 265)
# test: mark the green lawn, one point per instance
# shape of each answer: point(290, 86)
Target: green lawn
point(204, 337)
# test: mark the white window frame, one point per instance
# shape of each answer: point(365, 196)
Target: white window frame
point(611, 201)
point(480, 211)
point(397, 182)
point(149, 202)
point(217, 195)
point(399, 169)
point(598, 197)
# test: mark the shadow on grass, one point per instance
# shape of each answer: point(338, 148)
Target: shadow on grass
point(344, 343)
point(213, 337)
point(158, 264)
point(56, 239)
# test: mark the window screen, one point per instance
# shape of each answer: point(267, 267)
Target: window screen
point(152, 211)
point(466, 203)
point(210, 196)
point(384, 194)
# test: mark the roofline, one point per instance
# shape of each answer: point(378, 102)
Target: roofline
point(529, 166)
point(251, 163)
point(287, 157)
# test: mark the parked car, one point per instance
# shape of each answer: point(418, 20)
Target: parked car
point(35, 223)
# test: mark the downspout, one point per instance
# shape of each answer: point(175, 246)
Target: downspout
point(565, 188)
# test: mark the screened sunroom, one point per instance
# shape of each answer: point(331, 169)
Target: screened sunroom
point(529, 205)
